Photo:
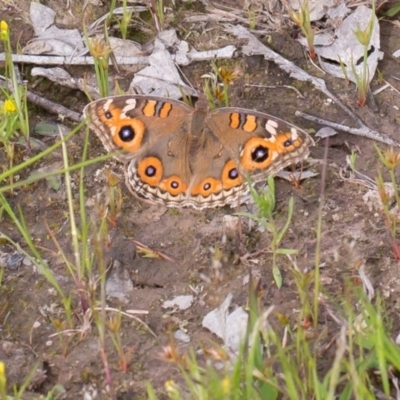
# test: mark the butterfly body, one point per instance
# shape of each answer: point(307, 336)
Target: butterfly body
point(192, 157)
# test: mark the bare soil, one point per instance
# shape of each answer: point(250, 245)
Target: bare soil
point(29, 306)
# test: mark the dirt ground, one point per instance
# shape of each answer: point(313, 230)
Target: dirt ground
point(351, 230)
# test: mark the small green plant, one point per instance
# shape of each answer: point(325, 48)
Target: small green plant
point(380, 76)
point(158, 6)
point(100, 52)
point(363, 79)
point(115, 199)
point(217, 83)
point(61, 326)
point(393, 10)
point(353, 159)
point(266, 205)
point(252, 16)
point(114, 330)
point(305, 283)
point(18, 90)
point(302, 19)
point(124, 22)
point(111, 9)
point(13, 109)
point(391, 161)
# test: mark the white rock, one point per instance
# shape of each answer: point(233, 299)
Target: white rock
point(180, 302)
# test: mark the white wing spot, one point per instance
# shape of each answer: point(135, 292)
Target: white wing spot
point(295, 134)
point(107, 104)
point(130, 105)
point(271, 127)
point(272, 123)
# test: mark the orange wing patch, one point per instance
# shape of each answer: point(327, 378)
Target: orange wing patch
point(127, 133)
point(250, 124)
point(259, 153)
point(155, 108)
point(173, 185)
point(207, 187)
point(150, 171)
point(230, 176)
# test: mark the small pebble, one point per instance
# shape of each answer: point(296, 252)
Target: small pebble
point(182, 336)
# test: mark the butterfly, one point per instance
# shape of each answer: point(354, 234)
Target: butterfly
point(181, 156)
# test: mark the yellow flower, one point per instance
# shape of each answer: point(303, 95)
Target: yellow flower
point(9, 107)
point(391, 159)
point(228, 75)
point(226, 386)
point(3, 26)
point(364, 35)
point(4, 31)
point(99, 48)
point(172, 390)
point(3, 380)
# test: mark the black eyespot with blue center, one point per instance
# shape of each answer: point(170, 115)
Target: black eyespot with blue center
point(259, 154)
point(233, 173)
point(288, 143)
point(126, 134)
point(108, 114)
point(150, 171)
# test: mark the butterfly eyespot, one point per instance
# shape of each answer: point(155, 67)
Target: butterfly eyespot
point(108, 115)
point(288, 143)
point(126, 134)
point(259, 154)
point(233, 173)
point(150, 171)
point(230, 176)
point(207, 187)
point(173, 185)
